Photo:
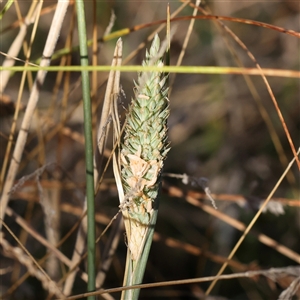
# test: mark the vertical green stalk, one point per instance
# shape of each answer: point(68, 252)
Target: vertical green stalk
point(143, 152)
point(88, 147)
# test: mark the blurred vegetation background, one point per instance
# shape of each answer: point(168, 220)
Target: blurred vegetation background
point(216, 131)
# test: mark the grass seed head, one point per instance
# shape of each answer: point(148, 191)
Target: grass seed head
point(144, 148)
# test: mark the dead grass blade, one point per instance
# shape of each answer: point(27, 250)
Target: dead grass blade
point(29, 261)
point(22, 137)
point(104, 126)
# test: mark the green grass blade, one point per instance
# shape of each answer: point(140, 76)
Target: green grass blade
point(6, 8)
point(88, 147)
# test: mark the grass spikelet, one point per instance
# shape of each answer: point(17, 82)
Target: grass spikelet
point(144, 150)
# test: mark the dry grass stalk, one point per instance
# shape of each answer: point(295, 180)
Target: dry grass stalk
point(18, 254)
point(32, 102)
point(16, 46)
point(64, 259)
point(144, 151)
point(293, 289)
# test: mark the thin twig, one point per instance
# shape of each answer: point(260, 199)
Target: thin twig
point(268, 273)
